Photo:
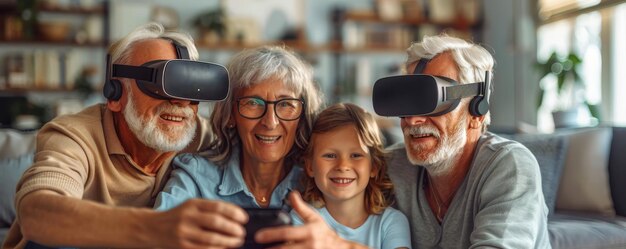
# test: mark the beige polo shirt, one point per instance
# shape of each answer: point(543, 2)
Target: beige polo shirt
point(81, 156)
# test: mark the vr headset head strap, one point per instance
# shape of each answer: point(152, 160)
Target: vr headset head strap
point(181, 51)
point(421, 65)
point(133, 72)
point(479, 105)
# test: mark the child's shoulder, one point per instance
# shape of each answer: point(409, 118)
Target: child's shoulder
point(392, 215)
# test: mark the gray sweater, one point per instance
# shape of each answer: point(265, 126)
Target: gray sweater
point(498, 205)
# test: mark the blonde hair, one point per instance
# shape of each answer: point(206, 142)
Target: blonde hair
point(379, 190)
point(251, 67)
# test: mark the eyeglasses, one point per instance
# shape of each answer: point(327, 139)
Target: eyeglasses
point(254, 108)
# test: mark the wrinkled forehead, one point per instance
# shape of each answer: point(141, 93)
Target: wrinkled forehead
point(442, 64)
point(151, 49)
point(272, 87)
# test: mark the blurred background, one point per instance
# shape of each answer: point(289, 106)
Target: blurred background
point(557, 60)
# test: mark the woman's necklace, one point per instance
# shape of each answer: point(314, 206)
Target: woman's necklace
point(438, 202)
point(259, 198)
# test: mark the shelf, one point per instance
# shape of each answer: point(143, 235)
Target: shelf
point(460, 23)
point(50, 43)
point(297, 46)
point(334, 48)
point(100, 10)
point(30, 90)
point(367, 17)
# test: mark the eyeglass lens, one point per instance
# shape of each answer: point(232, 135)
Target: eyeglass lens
point(285, 109)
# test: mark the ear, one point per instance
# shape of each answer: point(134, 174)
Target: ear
point(374, 171)
point(476, 122)
point(308, 166)
point(115, 105)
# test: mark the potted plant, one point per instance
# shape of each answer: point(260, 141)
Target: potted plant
point(569, 87)
point(211, 25)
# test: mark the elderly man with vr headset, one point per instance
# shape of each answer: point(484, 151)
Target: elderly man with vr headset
point(460, 186)
point(96, 174)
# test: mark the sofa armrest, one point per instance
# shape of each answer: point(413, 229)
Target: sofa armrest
point(617, 170)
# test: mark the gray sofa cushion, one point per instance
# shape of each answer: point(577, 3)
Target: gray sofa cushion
point(617, 170)
point(16, 155)
point(581, 231)
point(550, 152)
point(12, 170)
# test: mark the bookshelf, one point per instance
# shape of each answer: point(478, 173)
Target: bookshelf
point(388, 30)
point(49, 51)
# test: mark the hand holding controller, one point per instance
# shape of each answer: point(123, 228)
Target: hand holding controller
point(261, 218)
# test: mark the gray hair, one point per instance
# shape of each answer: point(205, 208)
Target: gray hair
point(121, 50)
point(253, 66)
point(472, 59)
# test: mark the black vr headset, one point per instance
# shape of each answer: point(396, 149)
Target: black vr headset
point(426, 95)
point(171, 79)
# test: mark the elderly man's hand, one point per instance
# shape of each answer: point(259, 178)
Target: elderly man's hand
point(199, 223)
point(315, 233)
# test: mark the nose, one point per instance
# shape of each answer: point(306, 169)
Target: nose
point(270, 120)
point(413, 120)
point(343, 165)
point(180, 102)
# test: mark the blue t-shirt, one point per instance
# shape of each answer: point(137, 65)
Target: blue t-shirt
point(194, 176)
point(388, 230)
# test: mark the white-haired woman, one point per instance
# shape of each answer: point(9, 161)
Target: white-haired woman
point(261, 131)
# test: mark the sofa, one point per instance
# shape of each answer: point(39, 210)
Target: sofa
point(583, 174)
point(16, 155)
point(583, 179)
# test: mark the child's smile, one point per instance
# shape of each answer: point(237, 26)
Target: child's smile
point(340, 164)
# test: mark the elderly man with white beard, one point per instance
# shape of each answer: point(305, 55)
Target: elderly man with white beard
point(96, 173)
point(459, 185)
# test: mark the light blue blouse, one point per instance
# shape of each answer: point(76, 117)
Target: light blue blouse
point(194, 176)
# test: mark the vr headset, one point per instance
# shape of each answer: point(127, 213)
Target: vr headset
point(171, 79)
point(426, 95)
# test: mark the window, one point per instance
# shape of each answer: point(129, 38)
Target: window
point(598, 36)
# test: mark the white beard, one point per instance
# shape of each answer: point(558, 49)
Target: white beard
point(447, 153)
point(161, 140)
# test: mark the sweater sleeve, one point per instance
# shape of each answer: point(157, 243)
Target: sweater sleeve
point(61, 163)
point(512, 211)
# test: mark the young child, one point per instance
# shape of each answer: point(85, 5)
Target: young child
point(346, 180)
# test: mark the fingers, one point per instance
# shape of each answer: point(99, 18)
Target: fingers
point(283, 233)
point(201, 223)
point(225, 209)
point(202, 239)
point(307, 213)
point(312, 222)
point(216, 222)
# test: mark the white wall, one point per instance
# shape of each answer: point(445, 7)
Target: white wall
point(509, 33)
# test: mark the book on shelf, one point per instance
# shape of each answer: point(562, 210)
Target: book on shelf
point(41, 69)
